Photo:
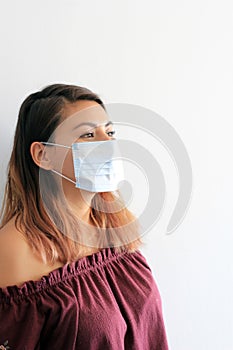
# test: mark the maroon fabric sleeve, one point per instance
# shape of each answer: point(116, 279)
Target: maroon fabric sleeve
point(107, 300)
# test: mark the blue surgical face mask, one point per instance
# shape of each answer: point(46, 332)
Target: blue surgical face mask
point(97, 165)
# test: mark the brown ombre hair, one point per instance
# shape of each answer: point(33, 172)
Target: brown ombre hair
point(56, 239)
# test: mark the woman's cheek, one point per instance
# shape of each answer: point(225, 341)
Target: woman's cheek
point(68, 167)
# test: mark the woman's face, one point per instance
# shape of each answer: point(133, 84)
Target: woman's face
point(84, 121)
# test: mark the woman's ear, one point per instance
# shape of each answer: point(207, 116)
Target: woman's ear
point(40, 155)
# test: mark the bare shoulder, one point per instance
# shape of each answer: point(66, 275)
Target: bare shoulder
point(11, 241)
point(18, 264)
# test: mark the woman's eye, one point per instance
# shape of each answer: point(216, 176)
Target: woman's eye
point(87, 135)
point(111, 133)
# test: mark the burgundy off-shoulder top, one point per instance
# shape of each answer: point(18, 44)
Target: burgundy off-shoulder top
point(104, 301)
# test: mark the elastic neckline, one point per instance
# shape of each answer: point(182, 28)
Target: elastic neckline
point(60, 274)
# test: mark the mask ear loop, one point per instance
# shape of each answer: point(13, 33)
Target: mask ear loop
point(65, 177)
point(54, 171)
point(54, 144)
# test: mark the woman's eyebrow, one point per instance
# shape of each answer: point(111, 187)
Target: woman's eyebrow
point(91, 124)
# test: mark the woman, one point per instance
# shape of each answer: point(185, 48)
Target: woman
point(71, 272)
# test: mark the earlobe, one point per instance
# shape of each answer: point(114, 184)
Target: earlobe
point(40, 155)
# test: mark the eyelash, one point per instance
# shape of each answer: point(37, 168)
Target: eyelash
point(112, 132)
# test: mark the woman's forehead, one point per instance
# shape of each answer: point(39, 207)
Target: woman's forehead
point(81, 112)
point(80, 118)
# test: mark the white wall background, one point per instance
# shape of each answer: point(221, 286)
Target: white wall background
point(174, 57)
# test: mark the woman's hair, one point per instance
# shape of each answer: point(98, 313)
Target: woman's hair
point(55, 233)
